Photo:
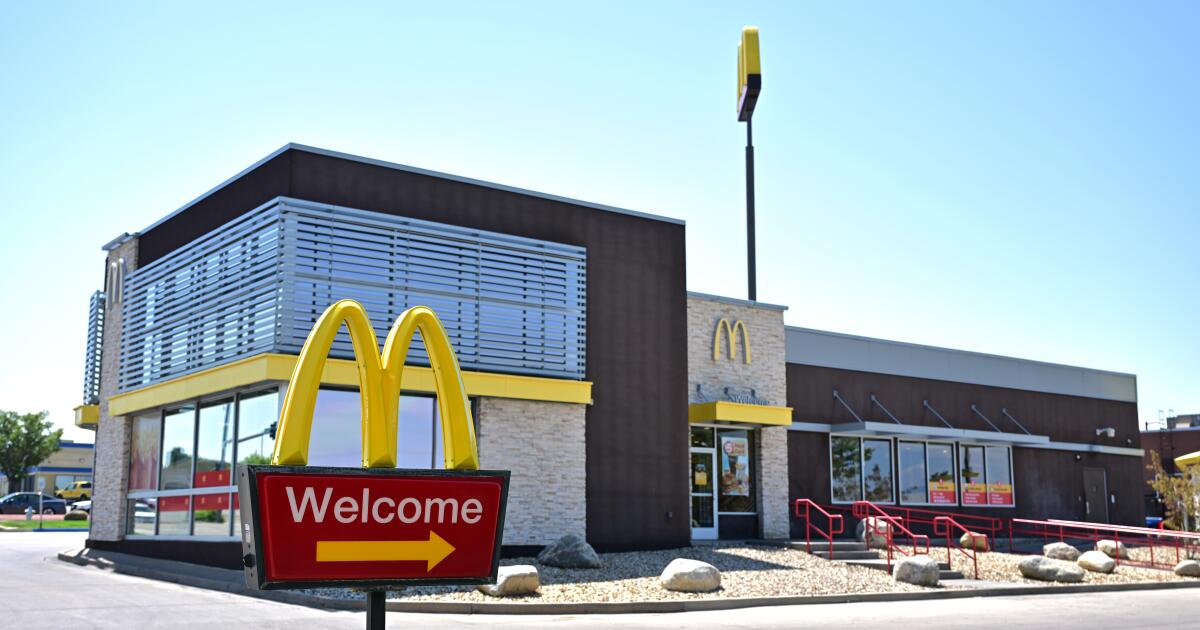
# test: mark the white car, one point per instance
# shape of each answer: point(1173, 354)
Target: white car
point(86, 506)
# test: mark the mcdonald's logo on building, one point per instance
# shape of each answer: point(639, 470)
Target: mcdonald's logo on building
point(724, 329)
point(376, 526)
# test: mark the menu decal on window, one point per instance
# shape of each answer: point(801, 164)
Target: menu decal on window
point(974, 494)
point(941, 492)
point(735, 466)
point(1000, 494)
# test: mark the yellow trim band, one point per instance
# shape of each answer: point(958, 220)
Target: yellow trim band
point(263, 368)
point(723, 411)
point(1188, 460)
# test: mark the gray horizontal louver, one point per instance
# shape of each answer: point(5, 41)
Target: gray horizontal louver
point(91, 358)
point(257, 284)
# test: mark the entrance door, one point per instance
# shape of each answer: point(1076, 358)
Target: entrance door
point(704, 499)
point(1095, 495)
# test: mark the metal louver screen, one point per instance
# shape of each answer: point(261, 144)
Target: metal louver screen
point(509, 304)
point(91, 357)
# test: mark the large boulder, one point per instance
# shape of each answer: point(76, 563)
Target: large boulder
point(519, 579)
point(1096, 562)
point(690, 576)
point(1060, 551)
point(919, 570)
point(1047, 570)
point(1112, 548)
point(76, 515)
point(1188, 568)
point(879, 529)
point(570, 552)
point(974, 540)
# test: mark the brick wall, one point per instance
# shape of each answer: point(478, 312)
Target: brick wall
point(543, 445)
point(112, 434)
point(765, 374)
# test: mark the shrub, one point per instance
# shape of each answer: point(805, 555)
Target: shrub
point(76, 515)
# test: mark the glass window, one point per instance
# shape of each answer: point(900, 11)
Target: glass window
point(846, 463)
point(999, 476)
point(913, 484)
point(178, 436)
point(214, 445)
point(940, 458)
point(702, 437)
point(211, 514)
point(974, 488)
point(143, 452)
point(736, 491)
point(141, 517)
point(877, 470)
point(173, 515)
point(336, 438)
point(415, 433)
point(256, 414)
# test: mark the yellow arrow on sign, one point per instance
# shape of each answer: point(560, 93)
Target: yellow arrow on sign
point(432, 551)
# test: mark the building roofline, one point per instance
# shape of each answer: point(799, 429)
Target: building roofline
point(736, 301)
point(408, 169)
point(973, 353)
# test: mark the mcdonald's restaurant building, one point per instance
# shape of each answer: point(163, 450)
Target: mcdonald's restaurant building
point(627, 409)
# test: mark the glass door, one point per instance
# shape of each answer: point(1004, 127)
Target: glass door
point(703, 484)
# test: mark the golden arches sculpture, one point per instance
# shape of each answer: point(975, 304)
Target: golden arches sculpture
point(731, 334)
point(380, 379)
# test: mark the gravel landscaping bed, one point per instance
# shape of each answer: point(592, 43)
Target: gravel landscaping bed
point(746, 571)
point(1002, 567)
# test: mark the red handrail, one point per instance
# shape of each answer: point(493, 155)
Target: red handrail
point(865, 509)
point(946, 523)
point(1183, 543)
point(809, 527)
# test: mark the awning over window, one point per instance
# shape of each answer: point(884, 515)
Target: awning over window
point(724, 411)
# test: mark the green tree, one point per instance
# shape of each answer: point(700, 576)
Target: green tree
point(26, 439)
point(1179, 493)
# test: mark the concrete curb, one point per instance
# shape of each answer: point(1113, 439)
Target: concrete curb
point(216, 579)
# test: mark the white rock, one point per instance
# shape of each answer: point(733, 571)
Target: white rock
point(879, 531)
point(569, 552)
point(520, 579)
point(1188, 568)
point(1096, 562)
point(919, 570)
point(1111, 548)
point(978, 541)
point(1060, 551)
point(690, 576)
point(1045, 569)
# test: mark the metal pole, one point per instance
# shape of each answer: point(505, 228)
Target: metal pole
point(376, 610)
point(750, 263)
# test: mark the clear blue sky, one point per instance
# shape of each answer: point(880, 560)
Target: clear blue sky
point(1018, 178)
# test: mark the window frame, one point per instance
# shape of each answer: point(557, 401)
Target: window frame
point(862, 477)
point(954, 446)
point(1012, 476)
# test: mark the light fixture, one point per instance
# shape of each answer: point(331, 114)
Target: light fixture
point(1107, 432)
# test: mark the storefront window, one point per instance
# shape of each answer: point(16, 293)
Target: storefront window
point(178, 431)
point(940, 460)
point(336, 438)
point(702, 437)
point(974, 486)
point(999, 476)
point(257, 413)
point(736, 493)
point(143, 452)
point(415, 433)
point(877, 471)
point(913, 485)
point(846, 462)
point(214, 445)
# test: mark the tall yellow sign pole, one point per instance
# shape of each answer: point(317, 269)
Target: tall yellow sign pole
point(748, 88)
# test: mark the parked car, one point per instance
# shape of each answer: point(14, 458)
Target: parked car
point(79, 490)
point(16, 503)
point(85, 506)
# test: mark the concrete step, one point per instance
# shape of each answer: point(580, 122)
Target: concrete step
point(838, 545)
point(846, 555)
point(881, 564)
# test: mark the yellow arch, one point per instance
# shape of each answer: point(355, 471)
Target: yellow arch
point(731, 334)
point(379, 387)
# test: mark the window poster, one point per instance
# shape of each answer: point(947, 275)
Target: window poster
point(941, 492)
point(735, 466)
point(1000, 494)
point(973, 494)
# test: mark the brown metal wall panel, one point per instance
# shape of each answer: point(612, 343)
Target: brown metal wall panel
point(636, 317)
point(1062, 418)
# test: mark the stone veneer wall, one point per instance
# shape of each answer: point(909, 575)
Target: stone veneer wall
point(543, 446)
point(111, 473)
point(765, 374)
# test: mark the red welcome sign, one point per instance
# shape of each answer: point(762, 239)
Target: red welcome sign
point(371, 527)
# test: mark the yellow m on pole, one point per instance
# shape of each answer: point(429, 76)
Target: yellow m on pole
point(730, 334)
point(380, 379)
